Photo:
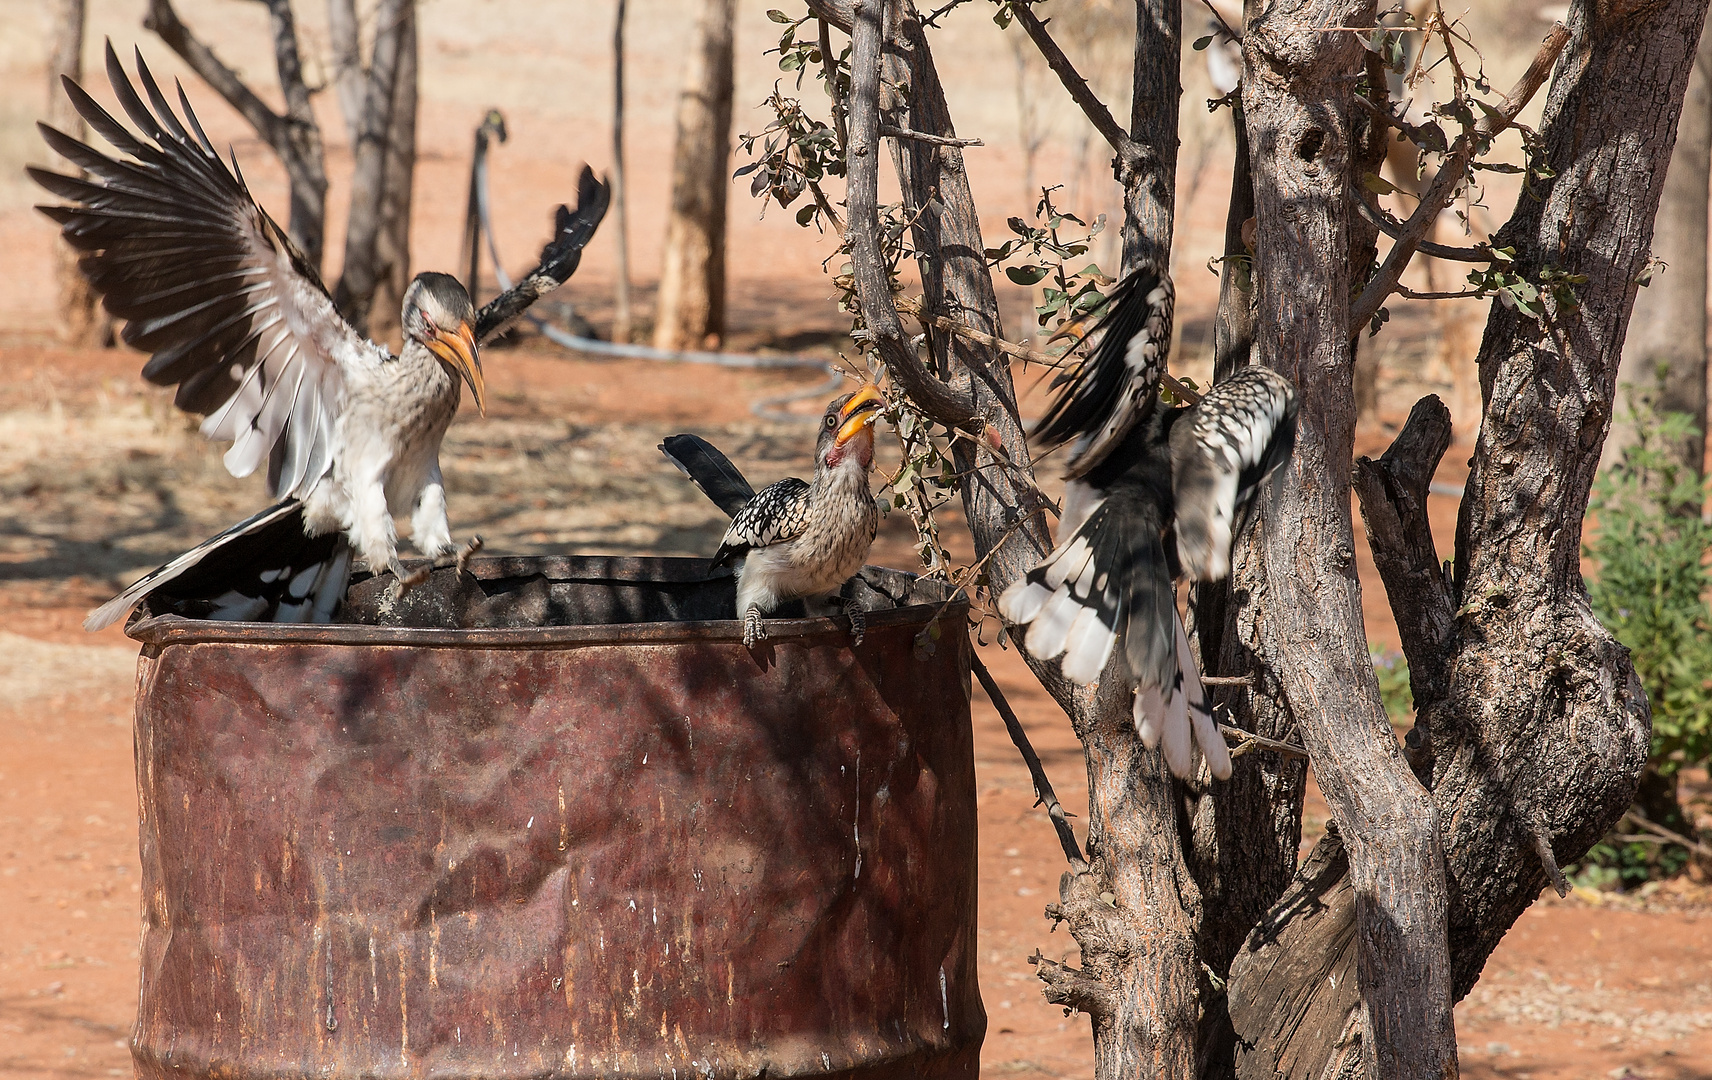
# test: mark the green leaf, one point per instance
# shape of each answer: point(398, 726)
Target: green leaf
point(1377, 184)
point(778, 16)
point(1026, 275)
point(1201, 43)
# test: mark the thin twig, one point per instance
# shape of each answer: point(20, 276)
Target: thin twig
point(1385, 223)
point(1227, 680)
point(1667, 834)
point(923, 137)
point(1225, 26)
point(1450, 175)
point(932, 20)
point(1042, 786)
point(1248, 740)
point(1092, 107)
point(1466, 294)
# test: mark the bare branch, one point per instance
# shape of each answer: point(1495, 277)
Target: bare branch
point(1042, 786)
point(1092, 107)
point(1667, 834)
point(1450, 176)
point(932, 395)
point(1385, 223)
point(1073, 988)
point(922, 136)
point(1248, 740)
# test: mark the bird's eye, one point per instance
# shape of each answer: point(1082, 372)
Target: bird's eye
point(831, 421)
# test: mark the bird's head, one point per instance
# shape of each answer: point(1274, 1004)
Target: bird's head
point(439, 314)
point(848, 427)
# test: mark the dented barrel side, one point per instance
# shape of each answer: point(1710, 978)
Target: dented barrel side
point(570, 852)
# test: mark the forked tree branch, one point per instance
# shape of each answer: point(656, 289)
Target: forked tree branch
point(1450, 176)
point(1037, 772)
point(870, 267)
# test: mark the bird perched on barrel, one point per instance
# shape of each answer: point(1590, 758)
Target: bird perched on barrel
point(237, 318)
point(795, 539)
point(1153, 492)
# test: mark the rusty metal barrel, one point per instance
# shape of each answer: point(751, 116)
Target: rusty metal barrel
point(551, 819)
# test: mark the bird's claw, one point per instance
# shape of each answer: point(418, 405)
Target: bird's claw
point(464, 553)
point(754, 631)
point(405, 580)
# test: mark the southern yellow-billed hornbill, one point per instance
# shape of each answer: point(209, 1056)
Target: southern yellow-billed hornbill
point(1153, 492)
point(237, 318)
point(795, 539)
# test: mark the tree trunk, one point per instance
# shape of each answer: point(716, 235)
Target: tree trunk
point(691, 309)
point(1532, 729)
point(1669, 325)
point(392, 243)
point(370, 151)
point(621, 317)
point(82, 321)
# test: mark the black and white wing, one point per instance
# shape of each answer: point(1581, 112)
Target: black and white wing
point(232, 312)
point(1099, 402)
point(263, 569)
point(777, 513)
point(1221, 452)
point(572, 230)
point(710, 470)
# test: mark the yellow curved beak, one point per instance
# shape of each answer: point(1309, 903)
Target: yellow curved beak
point(458, 348)
point(862, 409)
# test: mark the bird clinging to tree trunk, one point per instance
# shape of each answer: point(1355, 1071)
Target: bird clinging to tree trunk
point(795, 539)
point(1153, 491)
point(238, 319)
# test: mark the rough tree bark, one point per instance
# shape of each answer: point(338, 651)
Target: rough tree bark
point(1303, 624)
point(690, 312)
point(370, 152)
point(81, 319)
point(1531, 727)
point(1669, 324)
point(293, 135)
point(392, 242)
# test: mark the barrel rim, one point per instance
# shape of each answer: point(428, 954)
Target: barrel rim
point(169, 629)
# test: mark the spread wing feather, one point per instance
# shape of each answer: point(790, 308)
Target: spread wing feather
point(232, 312)
point(1221, 451)
point(572, 230)
point(1100, 401)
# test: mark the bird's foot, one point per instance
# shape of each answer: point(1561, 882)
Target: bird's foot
point(462, 559)
point(468, 550)
point(408, 579)
point(858, 616)
point(754, 630)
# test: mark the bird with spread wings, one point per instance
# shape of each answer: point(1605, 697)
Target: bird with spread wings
point(1153, 492)
point(241, 323)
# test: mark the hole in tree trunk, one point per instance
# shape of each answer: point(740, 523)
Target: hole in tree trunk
point(1309, 146)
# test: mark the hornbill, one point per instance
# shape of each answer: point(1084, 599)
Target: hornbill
point(795, 539)
point(238, 319)
point(1153, 492)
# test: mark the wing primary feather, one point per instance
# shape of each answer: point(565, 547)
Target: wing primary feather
point(710, 470)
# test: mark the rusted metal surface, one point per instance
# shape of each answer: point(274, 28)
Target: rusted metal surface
point(630, 850)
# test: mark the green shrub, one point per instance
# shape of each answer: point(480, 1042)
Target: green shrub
point(1649, 546)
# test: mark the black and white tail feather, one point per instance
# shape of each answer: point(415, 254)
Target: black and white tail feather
point(1168, 492)
point(710, 470)
point(263, 569)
